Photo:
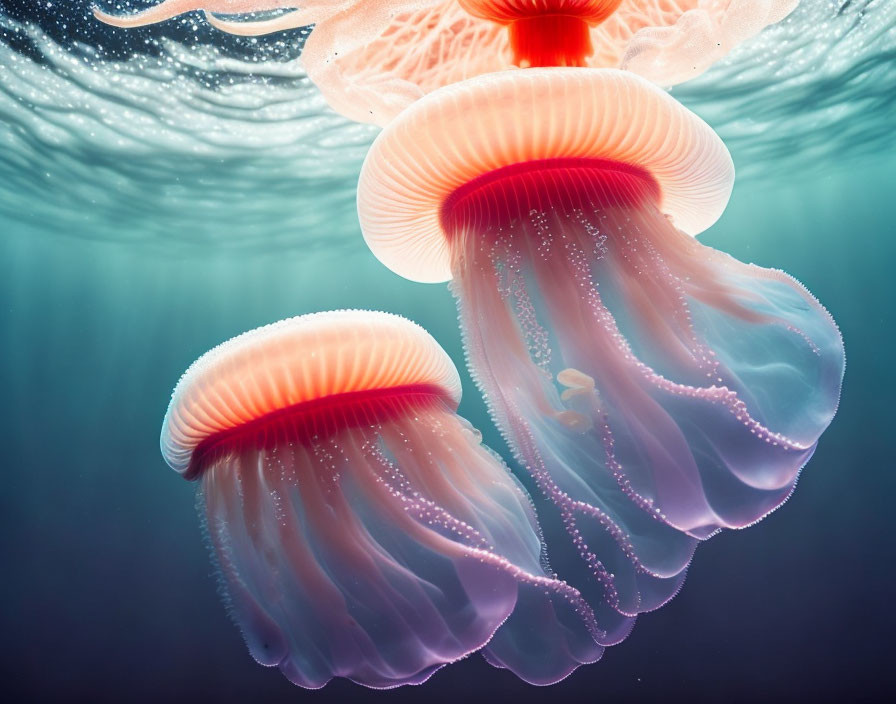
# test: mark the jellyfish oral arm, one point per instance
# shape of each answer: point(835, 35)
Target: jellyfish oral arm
point(655, 388)
point(372, 537)
point(172, 8)
point(286, 21)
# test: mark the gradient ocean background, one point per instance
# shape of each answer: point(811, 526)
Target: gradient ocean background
point(165, 189)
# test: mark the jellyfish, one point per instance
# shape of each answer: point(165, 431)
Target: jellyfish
point(373, 58)
point(655, 389)
point(360, 528)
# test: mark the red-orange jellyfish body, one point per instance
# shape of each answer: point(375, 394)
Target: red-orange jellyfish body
point(546, 32)
point(360, 527)
point(373, 58)
point(656, 389)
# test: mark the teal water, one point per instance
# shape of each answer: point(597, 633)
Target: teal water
point(150, 209)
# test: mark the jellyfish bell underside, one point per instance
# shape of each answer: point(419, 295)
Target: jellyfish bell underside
point(657, 390)
point(371, 59)
point(360, 528)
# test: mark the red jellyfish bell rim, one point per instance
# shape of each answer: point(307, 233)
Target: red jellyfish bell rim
point(496, 121)
point(289, 364)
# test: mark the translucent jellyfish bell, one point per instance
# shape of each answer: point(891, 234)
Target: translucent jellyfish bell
point(656, 389)
point(373, 58)
point(360, 528)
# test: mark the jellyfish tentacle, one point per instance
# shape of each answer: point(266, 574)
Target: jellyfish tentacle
point(157, 13)
point(358, 524)
point(732, 389)
point(654, 277)
point(568, 278)
point(519, 434)
point(503, 326)
point(254, 28)
point(611, 539)
point(169, 9)
point(264, 638)
point(677, 463)
point(322, 559)
point(569, 631)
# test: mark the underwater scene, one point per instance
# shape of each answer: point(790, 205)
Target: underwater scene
point(445, 350)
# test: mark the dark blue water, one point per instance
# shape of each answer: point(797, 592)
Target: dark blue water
point(141, 225)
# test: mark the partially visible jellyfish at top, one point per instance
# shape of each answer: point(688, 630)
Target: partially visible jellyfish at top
point(373, 58)
point(360, 528)
point(656, 390)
